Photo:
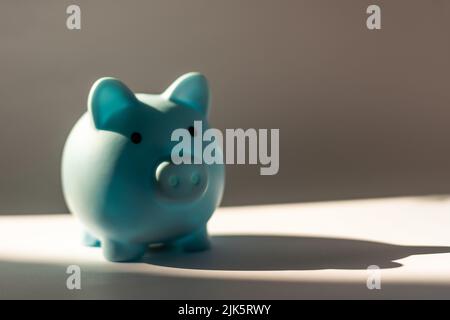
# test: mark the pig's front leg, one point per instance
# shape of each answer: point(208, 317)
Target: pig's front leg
point(89, 240)
point(196, 241)
point(122, 252)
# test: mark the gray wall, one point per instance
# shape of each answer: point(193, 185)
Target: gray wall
point(361, 113)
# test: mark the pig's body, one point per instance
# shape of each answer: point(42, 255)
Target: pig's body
point(117, 174)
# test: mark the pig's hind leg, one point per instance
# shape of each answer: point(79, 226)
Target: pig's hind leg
point(122, 251)
point(195, 241)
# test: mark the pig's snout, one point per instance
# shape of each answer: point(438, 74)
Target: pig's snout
point(181, 182)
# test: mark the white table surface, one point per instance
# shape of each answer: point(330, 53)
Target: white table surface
point(289, 251)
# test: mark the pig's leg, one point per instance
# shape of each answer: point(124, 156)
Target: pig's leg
point(89, 240)
point(196, 241)
point(121, 252)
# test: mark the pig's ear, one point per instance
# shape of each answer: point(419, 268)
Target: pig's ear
point(190, 90)
point(107, 97)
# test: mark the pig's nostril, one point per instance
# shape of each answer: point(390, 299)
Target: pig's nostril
point(173, 181)
point(195, 179)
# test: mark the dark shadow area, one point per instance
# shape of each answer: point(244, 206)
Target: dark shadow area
point(265, 252)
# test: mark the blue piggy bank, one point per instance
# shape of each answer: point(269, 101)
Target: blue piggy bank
point(118, 177)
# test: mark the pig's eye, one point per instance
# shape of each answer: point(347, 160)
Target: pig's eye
point(191, 131)
point(136, 137)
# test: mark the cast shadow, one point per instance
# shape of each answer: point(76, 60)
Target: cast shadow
point(270, 252)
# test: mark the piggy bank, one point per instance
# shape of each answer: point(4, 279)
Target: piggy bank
point(118, 176)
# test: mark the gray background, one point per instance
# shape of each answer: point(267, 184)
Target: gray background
point(361, 113)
